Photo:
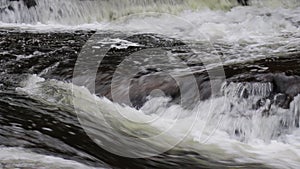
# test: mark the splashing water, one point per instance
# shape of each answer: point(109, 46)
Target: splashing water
point(78, 12)
point(244, 124)
point(243, 134)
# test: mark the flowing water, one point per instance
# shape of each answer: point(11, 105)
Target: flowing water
point(149, 84)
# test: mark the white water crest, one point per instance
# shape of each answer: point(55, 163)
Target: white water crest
point(89, 11)
point(241, 34)
point(244, 33)
point(233, 131)
point(73, 12)
point(22, 158)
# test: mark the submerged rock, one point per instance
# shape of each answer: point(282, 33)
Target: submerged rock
point(53, 56)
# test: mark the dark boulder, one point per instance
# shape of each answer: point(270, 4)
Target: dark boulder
point(282, 100)
point(11, 8)
point(243, 2)
point(28, 3)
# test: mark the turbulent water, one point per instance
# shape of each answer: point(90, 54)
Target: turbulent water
point(149, 84)
point(89, 11)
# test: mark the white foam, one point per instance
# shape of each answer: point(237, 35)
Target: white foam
point(118, 43)
point(22, 158)
point(73, 12)
point(244, 33)
point(213, 134)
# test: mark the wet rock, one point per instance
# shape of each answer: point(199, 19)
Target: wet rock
point(27, 52)
point(243, 2)
point(145, 80)
point(10, 81)
point(28, 3)
point(283, 100)
point(10, 8)
point(245, 94)
point(285, 88)
point(140, 89)
point(53, 55)
point(259, 103)
point(282, 72)
point(280, 99)
point(287, 84)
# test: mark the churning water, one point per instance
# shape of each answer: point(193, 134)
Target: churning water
point(195, 83)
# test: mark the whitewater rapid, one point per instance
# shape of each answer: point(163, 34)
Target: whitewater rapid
point(232, 132)
point(78, 12)
point(244, 33)
point(16, 157)
point(262, 139)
